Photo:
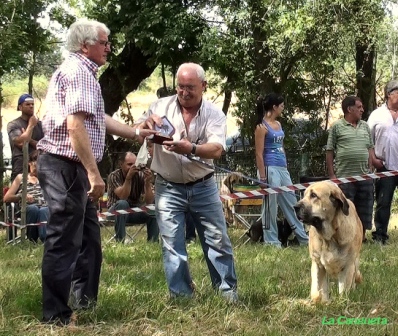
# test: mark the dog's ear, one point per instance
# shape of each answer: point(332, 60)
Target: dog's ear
point(231, 179)
point(228, 181)
point(339, 200)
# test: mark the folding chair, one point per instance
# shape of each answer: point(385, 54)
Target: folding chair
point(10, 212)
point(129, 237)
point(246, 211)
point(109, 222)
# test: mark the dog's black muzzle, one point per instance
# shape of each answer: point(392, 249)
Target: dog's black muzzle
point(304, 214)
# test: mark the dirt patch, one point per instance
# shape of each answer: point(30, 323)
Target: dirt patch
point(393, 222)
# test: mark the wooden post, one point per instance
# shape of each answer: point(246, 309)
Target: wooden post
point(25, 151)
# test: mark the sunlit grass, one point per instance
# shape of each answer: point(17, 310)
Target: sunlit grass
point(273, 289)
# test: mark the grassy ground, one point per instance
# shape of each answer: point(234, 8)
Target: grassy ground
point(273, 288)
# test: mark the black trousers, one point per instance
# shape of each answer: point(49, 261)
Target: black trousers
point(72, 250)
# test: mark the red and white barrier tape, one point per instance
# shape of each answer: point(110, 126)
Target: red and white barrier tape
point(146, 208)
point(20, 226)
point(303, 186)
point(239, 195)
point(101, 216)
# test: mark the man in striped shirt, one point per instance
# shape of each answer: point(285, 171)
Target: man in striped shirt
point(74, 139)
point(350, 145)
point(129, 187)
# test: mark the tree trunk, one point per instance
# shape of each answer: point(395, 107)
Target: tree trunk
point(30, 82)
point(164, 77)
point(119, 80)
point(31, 71)
point(365, 81)
point(227, 101)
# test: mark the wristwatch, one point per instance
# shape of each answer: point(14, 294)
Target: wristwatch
point(193, 151)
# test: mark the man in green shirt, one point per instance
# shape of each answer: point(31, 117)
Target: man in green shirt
point(349, 152)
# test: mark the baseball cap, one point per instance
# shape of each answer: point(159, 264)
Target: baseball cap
point(24, 98)
point(391, 86)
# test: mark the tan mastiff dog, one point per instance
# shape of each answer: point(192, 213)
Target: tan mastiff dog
point(335, 238)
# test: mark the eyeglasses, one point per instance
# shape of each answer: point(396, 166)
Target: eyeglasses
point(188, 88)
point(105, 43)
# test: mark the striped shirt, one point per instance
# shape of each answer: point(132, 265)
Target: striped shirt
point(35, 191)
point(73, 88)
point(116, 179)
point(351, 147)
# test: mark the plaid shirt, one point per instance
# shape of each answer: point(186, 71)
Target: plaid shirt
point(73, 88)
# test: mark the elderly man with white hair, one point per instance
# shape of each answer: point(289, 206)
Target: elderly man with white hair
point(74, 140)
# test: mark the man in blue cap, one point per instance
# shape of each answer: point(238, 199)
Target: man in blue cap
point(24, 128)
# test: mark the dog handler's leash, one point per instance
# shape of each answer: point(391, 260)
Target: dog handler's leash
point(193, 158)
point(265, 223)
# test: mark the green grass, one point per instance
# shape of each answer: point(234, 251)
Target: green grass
point(273, 289)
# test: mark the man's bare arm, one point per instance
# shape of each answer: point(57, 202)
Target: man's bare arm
point(80, 142)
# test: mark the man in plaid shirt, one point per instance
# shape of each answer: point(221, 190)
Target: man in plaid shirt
point(74, 139)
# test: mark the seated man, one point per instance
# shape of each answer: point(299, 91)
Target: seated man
point(126, 188)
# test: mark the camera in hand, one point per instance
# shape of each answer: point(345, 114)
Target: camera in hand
point(141, 166)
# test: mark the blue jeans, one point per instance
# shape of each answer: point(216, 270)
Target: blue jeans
point(385, 188)
point(134, 218)
point(173, 201)
point(277, 177)
point(35, 215)
point(190, 232)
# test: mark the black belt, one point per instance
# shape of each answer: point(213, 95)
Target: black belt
point(60, 157)
point(208, 176)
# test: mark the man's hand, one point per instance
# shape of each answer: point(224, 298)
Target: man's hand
point(184, 146)
point(377, 163)
point(147, 175)
point(150, 122)
point(147, 127)
point(30, 199)
point(132, 171)
point(97, 187)
point(33, 121)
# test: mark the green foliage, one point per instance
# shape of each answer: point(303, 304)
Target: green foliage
point(133, 300)
point(305, 50)
point(13, 89)
point(10, 50)
point(166, 31)
point(154, 82)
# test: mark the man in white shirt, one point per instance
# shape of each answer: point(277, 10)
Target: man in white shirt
point(185, 186)
point(382, 123)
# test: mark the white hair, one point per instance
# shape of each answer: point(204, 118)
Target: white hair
point(84, 31)
point(194, 66)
